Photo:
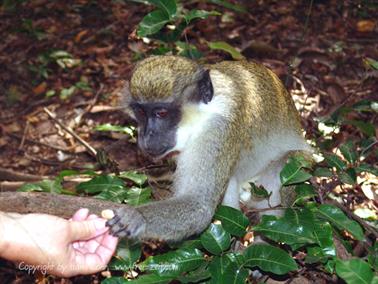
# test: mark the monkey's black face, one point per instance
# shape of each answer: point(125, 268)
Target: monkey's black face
point(157, 125)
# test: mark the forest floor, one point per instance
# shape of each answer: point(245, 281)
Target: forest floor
point(72, 58)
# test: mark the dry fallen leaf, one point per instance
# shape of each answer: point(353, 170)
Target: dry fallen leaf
point(40, 89)
point(80, 35)
point(365, 26)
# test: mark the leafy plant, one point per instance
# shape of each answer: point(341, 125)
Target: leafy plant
point(28, 28)
point(44, 62)
point(308, 230)
point(166, 24)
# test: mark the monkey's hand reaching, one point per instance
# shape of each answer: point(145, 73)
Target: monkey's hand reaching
point(127, 222)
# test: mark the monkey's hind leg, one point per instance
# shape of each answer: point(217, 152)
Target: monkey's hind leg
point(269, 178)
point(231, 197)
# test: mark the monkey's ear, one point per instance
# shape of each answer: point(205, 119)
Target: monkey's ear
point(205, 87)
point(126, 99)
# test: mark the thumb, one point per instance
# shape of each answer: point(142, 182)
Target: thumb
point(84, 230)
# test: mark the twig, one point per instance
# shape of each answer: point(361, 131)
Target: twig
point(278, 207)
point(43, 161)
point(90, 105)
point(95, 99)
point(90, 149)
point(24, 135)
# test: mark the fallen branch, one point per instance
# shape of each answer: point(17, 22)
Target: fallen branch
point(10, 185)
point(54, 204)
point(10, 175)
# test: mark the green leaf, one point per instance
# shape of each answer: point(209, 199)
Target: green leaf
point(170, 36)
point(138, 195)
point(68, 63)
point(303, 161)
point(58, 54)
point(67, 173)
point(199, 14)
point(269, 259)
point(30, 187)
point(115, 280)
point(224, 46)
point(334, 161)
point(215, 239)
point(192, 244)
point(348, 176)
point(83, 85)
point(152, 23)
point(173, 263)
point(338, 115)
point(234, 274)
point(348, 152)
point(371, 62)
point(340, 220)
point(50, 93)
point(65, 93)
point(329, 266)
point(52, 186)
point(188, 50)
point(300, 217)
point(101, 183)
point(259, 191)
point(127, 255)
point(151, 279)
point(161, 50)
point(324, 237)
point(134, 176)
point(315, 254)
point(354, 271)
point(322, 172)
point(304, 191)
point(113, 194)
point(130, 130)
point(367, 168)
point(365, 127)
point(233, 220)
point(283, 230)
point(363, 105)
point(197, 276)
point(293, 173)
point(373, 256)
point(219, 265)
point(228, 5)
point(169, 7)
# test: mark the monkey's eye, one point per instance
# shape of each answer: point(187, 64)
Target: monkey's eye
point(161, 113)
point(139, 111)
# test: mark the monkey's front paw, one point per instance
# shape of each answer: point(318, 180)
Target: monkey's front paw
point(127, 222)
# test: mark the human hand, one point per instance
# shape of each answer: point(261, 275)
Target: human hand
point(81, 245)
